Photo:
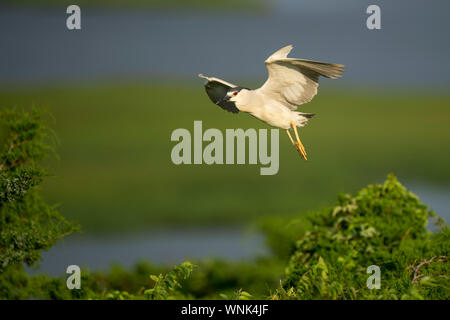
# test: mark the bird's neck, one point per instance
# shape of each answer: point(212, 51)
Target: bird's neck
point(245, 99)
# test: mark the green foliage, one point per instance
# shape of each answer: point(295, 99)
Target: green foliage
point(166, 285)
point(212, 279)
point(17, 284)
point(134, 281)
point(215, 278)
point(238, 295)
point(27, 224)
point(383, 225)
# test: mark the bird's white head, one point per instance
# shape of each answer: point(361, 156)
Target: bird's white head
point(236, 95)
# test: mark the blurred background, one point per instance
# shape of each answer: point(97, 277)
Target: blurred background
point(118, 87)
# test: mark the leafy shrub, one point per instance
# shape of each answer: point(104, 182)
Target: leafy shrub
point(211, 279)
point(27, 224)
point(166, 285)
point(216, 278)
point(383, 225)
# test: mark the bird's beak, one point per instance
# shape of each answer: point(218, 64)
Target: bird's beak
point(224, 99)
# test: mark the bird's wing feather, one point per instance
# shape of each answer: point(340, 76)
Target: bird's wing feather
point(216, 89)
point(295, 81)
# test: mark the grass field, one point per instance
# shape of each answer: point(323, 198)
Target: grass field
point(115, 170)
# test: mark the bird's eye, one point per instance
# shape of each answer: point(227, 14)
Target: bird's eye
point(235, 93)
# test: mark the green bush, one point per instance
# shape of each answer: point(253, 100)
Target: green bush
point(211, 279)
point(383, 225)
point(27, 224)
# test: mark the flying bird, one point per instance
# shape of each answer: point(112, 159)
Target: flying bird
point(291, 82)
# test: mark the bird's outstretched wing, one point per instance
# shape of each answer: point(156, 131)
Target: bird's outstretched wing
point(295, 81)
point(216, 89)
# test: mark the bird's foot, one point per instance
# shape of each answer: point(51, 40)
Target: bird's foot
point(301, 150)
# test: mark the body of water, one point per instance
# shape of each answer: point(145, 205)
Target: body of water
point(162, 246)
point(410, 49)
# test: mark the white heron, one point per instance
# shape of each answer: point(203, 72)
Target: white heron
point(291, 82)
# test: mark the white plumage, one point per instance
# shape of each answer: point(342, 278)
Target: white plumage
point(291, 82)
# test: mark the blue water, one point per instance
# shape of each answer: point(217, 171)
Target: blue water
point(162, 246)
point(412, 48)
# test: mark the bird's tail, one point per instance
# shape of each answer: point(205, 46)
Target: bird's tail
point(302, 118)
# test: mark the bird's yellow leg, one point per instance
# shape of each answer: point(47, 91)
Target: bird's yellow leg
point(290, 137)
point(299, 143)
point(295, 144)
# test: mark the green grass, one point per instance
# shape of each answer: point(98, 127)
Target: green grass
point(115, 170)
